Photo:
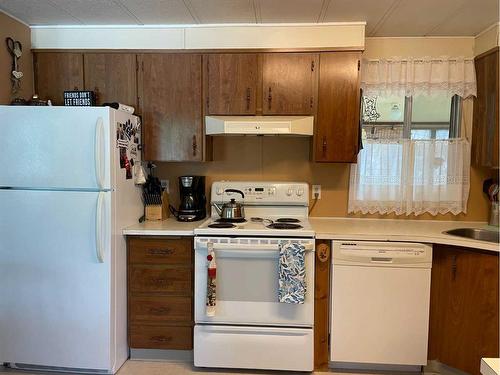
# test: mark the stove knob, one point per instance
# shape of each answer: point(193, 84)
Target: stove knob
point(300, 192)
point(219, 191)
point(289, 192)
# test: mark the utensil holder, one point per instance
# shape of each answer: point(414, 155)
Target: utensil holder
point(494, 213)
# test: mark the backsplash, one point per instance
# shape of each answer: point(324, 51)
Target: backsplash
point(288, 159)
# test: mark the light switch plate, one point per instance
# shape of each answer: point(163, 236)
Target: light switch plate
point(165, 184)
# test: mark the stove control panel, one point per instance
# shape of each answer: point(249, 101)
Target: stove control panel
point(270, 193)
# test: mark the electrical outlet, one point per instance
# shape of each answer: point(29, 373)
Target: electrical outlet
point(316, 191)
point(165, 185)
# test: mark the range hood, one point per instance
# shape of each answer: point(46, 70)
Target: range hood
point(259, 125)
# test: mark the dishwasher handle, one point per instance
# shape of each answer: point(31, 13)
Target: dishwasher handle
point(380, 260)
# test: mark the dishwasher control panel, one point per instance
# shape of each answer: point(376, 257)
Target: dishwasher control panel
point(403, 254)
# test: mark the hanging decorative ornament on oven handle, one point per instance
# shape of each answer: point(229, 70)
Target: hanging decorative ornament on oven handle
point(211, 280)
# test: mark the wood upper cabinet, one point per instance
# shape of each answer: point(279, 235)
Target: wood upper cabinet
point(289, 83)
point(171, 105)
point(337, 121)
point(463, 325)
point(56, 72)
point(485, 133)
point(112, 76)
point(232, 83)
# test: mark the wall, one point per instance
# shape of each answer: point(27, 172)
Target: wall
point(9, 27)
point(288, 159)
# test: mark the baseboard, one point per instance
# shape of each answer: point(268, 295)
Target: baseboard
point(374, 367)
point(175, 356)
point(442, 369)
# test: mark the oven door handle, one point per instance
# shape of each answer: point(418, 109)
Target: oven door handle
point(251, 248)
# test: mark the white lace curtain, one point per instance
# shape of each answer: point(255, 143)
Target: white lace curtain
point(411, 177)
point(413, 76)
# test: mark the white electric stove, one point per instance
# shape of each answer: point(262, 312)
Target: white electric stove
point(250, 328)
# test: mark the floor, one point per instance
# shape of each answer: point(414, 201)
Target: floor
point(166, 368)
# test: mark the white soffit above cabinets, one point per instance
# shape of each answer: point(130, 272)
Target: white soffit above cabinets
point(384, 18)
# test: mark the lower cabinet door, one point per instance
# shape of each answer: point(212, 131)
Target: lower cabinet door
point(161, 337)
point(266, 348)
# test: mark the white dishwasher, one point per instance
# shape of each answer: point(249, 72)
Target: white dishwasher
point(380, 304)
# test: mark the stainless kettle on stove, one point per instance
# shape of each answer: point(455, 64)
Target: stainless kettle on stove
point(232, 210)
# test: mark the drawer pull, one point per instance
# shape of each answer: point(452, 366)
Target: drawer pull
point(161, 338)
point(160, 281)
point(159, 310)
point(161, 251)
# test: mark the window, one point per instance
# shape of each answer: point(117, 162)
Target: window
point(419, 117)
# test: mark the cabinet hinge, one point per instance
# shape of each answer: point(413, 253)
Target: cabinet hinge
point(142, 66)
point(311, 102)
point(312, 66)
point(359, 64)
point(208, 102)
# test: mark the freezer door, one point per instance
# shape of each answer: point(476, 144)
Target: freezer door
point(55, 304)
point(55, 147)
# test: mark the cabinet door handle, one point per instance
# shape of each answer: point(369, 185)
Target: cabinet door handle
point(161, 338)
point(324, 145)
point(159, 310)
point(248, 98)
point(195, 145)
point(269, 98)
point(454, 267)
point(161, 251)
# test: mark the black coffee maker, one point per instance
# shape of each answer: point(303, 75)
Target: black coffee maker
point(193, 200)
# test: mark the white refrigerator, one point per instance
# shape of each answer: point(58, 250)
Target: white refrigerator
point(66, 191)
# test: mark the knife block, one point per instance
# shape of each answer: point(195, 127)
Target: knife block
point(156, 212)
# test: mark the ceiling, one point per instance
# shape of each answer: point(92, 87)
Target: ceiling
point(383, 17)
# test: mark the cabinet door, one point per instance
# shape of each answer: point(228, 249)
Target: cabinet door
point(112, 76)
point(232, 83)
point(485, 132)
point(289, 82)
point(56, 72)
point(464, 315)
point(337, 122)
point(171, 106)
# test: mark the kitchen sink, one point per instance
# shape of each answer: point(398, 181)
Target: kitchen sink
point(475, 234)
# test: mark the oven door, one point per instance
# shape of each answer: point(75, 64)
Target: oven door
point(247, 283)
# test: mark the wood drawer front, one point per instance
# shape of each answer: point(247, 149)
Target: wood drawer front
point(161, 337)
point(160, 279)
point(160, 309)
point(160, 251)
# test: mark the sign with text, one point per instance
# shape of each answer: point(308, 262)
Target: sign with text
point(79, 98)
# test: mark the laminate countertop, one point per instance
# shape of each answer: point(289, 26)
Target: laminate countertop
point(425, 231)
point(490, 366)
point(327, 228)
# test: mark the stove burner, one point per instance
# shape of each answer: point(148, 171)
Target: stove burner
point(224, 220)
point(284, 226)
point(221, 225)
point(287, 220)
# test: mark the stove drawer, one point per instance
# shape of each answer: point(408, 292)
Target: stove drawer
point(286, 349)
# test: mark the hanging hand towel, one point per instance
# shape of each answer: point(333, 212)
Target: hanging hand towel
point(292, 273)
point(211, 278)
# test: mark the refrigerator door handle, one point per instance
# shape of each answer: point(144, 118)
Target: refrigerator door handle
point(98, 152)
point(98, 228)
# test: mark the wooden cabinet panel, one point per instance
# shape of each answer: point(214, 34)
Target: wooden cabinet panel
point(112, 76)
point(171, 104)
point(337, 122)
point(160, 251)
point(289, 83)
point(160, 309)
point(485, 133)
point(56, 72)
point(232, 83)
point(463, 325)
point(161, 337)
point(160, 279)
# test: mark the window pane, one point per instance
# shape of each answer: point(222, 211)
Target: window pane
point(430, 117)
point(383, 109)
